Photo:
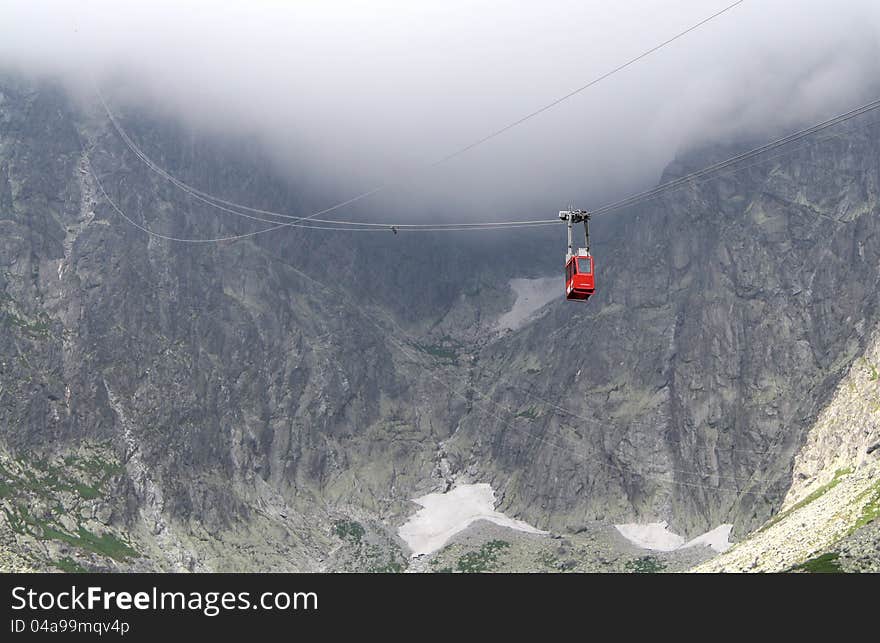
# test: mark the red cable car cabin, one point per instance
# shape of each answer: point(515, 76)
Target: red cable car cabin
point(580, 280)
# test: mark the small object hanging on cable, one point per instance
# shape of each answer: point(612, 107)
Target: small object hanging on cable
point(394, 229)
point(580, 283)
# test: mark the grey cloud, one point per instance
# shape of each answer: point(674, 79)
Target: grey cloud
point(360, 93)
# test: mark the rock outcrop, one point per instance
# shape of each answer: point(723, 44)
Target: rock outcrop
point(833, 505)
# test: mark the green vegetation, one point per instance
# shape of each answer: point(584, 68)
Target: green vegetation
point(483, 560)
point(530, 413)
point(818, 493)
point(95, 466)
point(69, 566)
point(16, 518)
point(5, 489)
point(349, 530)
point(440, 352)
point(86, 492)
point(392, 567)
point(547, 559)
point(871, 511)
point(445, 349)
point(824, 564)
point(38, 329)
point(86, 476)
point(106, 544)
point(22, 522)
point(39, 504)
point(372, 555)
point(645, 565)
point(871, 367)
point(380, 564)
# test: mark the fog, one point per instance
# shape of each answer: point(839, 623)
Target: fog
point(356, 94)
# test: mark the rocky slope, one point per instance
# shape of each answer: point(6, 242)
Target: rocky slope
point(829, 519)
point(595, 548)
point(253, 400)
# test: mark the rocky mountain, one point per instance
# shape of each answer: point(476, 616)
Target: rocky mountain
point(274, 402)
point(828, 521)
point(727, 314)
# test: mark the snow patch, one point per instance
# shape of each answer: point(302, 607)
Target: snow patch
point(653, 535)
point(657, 537)
point(718, 538)
point(445, 514)
point(531, 296)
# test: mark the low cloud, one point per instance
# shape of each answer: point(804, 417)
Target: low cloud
point(360, 93)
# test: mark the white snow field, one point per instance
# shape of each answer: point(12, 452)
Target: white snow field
point(445, 514)
point(718, 538)
point(657, 537)
point(531, 296)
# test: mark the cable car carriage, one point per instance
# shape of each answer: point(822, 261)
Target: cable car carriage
point(580, 280)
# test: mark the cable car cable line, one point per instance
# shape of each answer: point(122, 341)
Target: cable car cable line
point(580, 267)
point(699, 175)
point(436, 163)
point(773, 157)
point(408, 351)
point(577, 91)
point(711, 169)
point(308, 221)
point(276, 226)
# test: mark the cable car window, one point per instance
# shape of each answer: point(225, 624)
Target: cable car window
point(584, 266)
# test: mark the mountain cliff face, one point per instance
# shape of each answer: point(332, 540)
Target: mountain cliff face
point(829, 518)
point(725, 317)
point(241, 405)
